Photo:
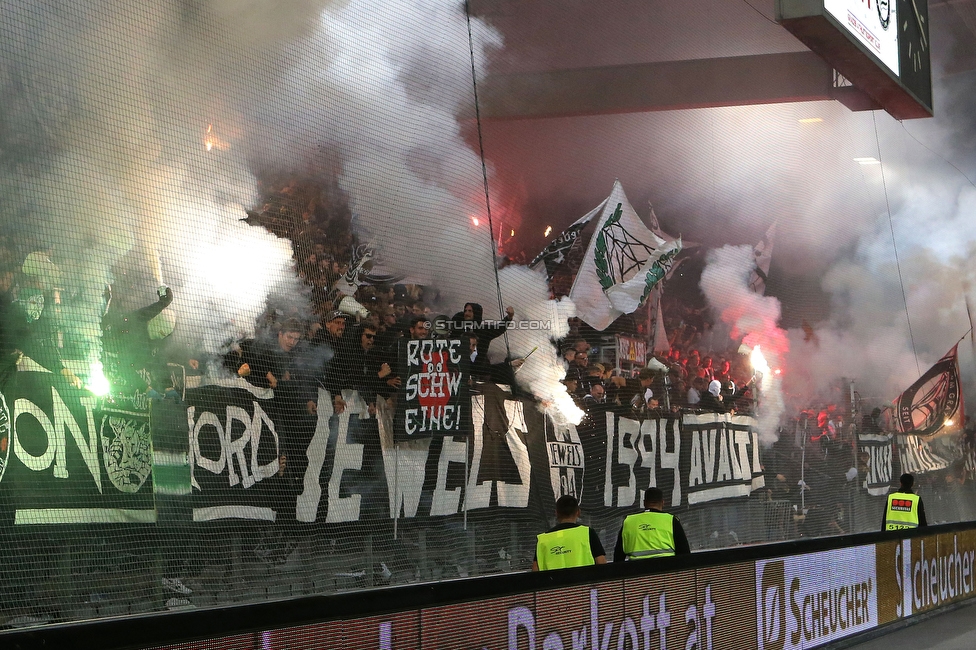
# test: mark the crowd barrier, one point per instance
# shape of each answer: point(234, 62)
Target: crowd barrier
point(803, 594)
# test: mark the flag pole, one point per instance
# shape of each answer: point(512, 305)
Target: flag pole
point(467, 478)
point(972, 330)
point(396, 488)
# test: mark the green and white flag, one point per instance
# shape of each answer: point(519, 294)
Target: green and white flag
point(624, 261)
point(628, 296)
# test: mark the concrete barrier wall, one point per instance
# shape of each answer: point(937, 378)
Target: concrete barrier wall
point(769, 600)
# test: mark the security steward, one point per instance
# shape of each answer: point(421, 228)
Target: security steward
point(652, 533)
point(568, 544)
point(905, 509)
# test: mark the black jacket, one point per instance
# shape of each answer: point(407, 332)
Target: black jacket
point(485, 333)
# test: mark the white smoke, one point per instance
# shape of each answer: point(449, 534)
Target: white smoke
point(527, 292)
point(153, 160)
point(106, 108)
point(753, 320)
point(374, 95)
point(867, 339)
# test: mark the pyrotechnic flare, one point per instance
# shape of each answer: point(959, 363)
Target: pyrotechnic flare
point(752, 319)
point(541, 372)
point(98, 384)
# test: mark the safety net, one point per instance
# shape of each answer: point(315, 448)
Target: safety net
point(310, 296)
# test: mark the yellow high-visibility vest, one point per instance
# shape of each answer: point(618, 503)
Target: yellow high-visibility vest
point(648, 534)
point(563, 549)
point(902, 511)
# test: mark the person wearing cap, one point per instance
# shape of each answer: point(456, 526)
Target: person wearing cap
point(904, 509)
point(568, 544)
point(652, 533)
point(333, 327)
point(329, 345)
point(712, 400)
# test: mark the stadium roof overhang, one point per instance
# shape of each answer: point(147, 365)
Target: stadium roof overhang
point(677, 71)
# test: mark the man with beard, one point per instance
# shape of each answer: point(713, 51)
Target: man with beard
point(418, 330)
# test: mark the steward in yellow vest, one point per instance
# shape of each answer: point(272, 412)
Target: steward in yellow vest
point(904, 508)
point(568, 544)
point(652, 533)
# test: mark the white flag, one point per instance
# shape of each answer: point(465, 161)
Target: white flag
point(621, 250)
point(627, 296)
point(659, 336)
point(763, 252)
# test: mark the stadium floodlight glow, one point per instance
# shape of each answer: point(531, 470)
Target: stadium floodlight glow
point(475, 221)
point(97, 381)
point(867, 160)
point(548, 230)
point(513, 233)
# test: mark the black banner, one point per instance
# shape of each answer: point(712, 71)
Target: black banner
point(234, 452)
point(693, 460)
point(68, 458)
point(432, 394)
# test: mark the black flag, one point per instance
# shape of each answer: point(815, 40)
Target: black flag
point(932, 403)
point(555, 253)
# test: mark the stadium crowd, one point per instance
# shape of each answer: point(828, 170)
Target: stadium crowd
point(347, 340)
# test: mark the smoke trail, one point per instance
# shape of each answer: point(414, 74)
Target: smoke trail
point(753, 320)
point(211, 94)
point(528, 293)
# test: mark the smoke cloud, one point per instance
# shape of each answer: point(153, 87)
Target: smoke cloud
point(753, 319)
point(132, 133)
point(527, 292)
point(722, 175)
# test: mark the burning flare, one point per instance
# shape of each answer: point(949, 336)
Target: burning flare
point(761, 367)
point(97, 381)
